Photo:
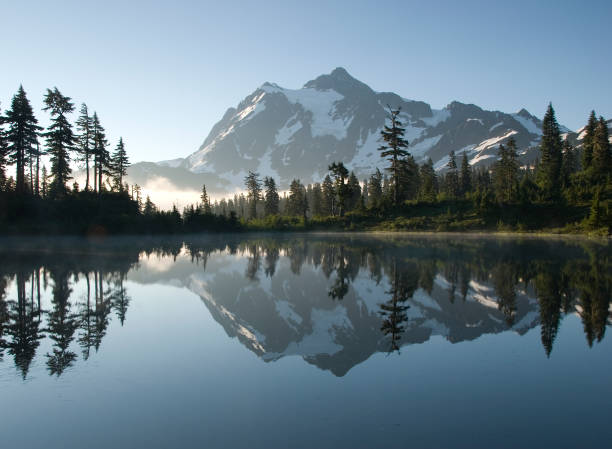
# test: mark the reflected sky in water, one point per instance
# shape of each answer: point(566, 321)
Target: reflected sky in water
point(313, 341)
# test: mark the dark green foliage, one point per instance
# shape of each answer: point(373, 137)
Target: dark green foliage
point(452, 177)
point(602, 158)
point(119, 165)
point(328, 195)
point(465, 177)
point(375, 193)
point(588, 140)
point(297, 204)
point(102, 158)
point(341, 190)
point(60, 139)
point(253, 186)
point(21, 136)
point(271, 199)
point(393, 150)
point(428, 189)
point(205, 209)
point(85, 140)
point(505, 173)
point(549, 169)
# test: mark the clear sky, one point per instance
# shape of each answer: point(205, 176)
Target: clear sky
point(160, 74)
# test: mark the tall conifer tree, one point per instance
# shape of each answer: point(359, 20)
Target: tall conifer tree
point(271, 200)
point(550, 156)
point(60, 139)
point(85, 139)
point(120, 164)
point(21, 135)
point(394, 149)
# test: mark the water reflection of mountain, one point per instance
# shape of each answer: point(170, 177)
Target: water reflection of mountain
point(334, 301)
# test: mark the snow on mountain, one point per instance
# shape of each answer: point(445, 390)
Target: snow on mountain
point(297, 133)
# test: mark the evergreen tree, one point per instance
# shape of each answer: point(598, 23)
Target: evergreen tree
point(429, 182)
point(505, 173)
point(465, 178)
point(354, 192)
point(602, 158)
point(253, 186)
point(569, 164)
point(550, 161)
point(21, 136)
point(375, 192)
point(339, 173)
point(60, 139)
point(271, 199)
point(588, 141)
point(297, 203)
point(119, 164)
point(393, 149)
point(316, 201)
point(45, 187)
point(206, 209)
point(3, 153)
point(100, 153)
point(85, 140)
point(452, 176)
point(149, 208)
point(328, 195)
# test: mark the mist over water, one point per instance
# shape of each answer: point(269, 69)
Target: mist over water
point(305, 341)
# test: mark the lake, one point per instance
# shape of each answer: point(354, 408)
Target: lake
point(305, 341)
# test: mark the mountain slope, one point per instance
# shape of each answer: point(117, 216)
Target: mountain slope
point(289, 133)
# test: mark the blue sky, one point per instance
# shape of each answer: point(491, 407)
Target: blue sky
point(160, 74)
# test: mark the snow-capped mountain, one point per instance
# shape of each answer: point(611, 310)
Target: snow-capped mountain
point(297, 133)
point(288, 133)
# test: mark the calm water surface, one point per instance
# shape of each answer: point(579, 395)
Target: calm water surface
point(317, 341)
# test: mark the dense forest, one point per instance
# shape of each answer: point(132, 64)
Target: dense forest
point(568, 189)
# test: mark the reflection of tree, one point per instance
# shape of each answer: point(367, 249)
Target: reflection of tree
point(271, 259)
point(86, 337)
point(62, 324)
point(404, 282)
point(4, 315)
point(547, 288)
point(504, 280)
point(119, 297)
point(23, 327)
point(340, 288)
point(253, 262)
point(594, 300)
point(102, 310)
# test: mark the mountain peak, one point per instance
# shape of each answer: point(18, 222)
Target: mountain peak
point(339, 80)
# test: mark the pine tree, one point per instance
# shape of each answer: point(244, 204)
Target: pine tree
point(393, 150)
point(85, 139)
point(375, 192)
point(327, 190)
point(550, 160)
point(465, 178)
point(340, 173)
point(3, 153)
point(119, 164)
point(253, 186)
point(149, 207)
point(505, 173)
point(21, 136)
point(354, 192)
point(206, 209)
point(452, 176)
point(429, 182)
point(60, 139)
point(316, 201)
point(569, 164)
point(101, 155)
point(297, 203)
point(602, 158)
point(45, 187)
point(588, 141)
point(271, 198)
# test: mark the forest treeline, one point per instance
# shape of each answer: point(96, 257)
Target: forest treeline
point(568, 189)
point(38, 299)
